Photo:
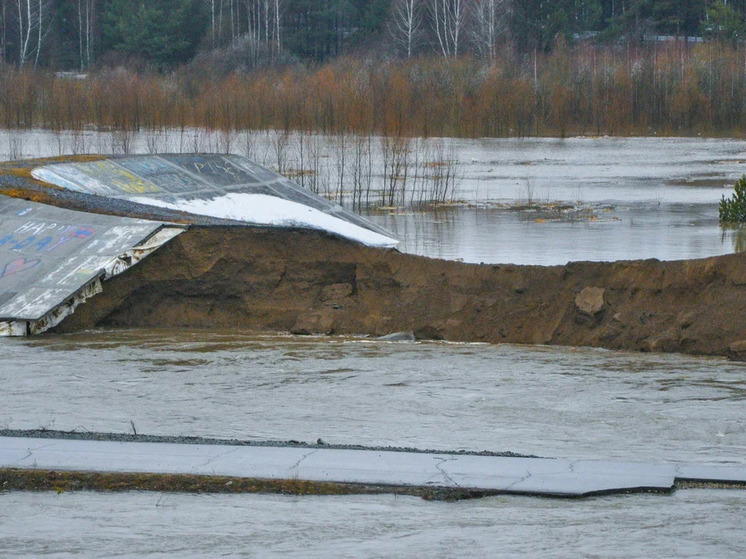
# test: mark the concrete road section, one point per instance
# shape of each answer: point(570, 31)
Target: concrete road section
point(494, 474)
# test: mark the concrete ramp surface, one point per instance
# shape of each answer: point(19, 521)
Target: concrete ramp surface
point(222, 186)
point(385, 468)
point(52, 259)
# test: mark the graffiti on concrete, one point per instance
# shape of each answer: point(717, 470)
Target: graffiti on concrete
point(160, 173)
point(172, 179)
point(47, 254)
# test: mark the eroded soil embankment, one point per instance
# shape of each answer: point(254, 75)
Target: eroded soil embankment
point(307, 282)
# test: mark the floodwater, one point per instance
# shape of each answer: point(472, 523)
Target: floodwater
point(627, 198)
point(593, 199)
point(558, 402)
point(561, 402)
point(523, 201)
point(694, 523)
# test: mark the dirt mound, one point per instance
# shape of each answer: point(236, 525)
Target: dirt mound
point(308, 282)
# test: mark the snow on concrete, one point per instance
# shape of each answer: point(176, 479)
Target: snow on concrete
point(262, 209)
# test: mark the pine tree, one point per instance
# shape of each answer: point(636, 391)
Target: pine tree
point(166, 32)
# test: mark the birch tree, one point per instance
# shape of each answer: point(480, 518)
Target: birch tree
point(3, 29)
point(263, 18)
point(406, 19)
point(85, 12)
point(490, 22)
point(448, 19)
point(33, 18)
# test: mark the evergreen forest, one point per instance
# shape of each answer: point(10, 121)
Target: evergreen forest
point(163, 34)
point(400, 68)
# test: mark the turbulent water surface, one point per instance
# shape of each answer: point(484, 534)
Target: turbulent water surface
point(693, 523)
point(537, 400)
point(575, 403)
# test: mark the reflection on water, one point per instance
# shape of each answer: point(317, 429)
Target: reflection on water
point(546, 401)
point(602, 233)
point(737, 234)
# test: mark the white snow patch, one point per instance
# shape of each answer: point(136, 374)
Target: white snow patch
point(262, 209)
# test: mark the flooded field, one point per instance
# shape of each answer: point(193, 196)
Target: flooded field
point(549, 201)
point(522, 201)
point(526, 201)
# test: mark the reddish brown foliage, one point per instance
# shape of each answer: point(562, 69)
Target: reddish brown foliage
point(663, 89)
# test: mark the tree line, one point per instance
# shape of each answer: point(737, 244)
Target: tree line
point(245, 34)
point(667, 89)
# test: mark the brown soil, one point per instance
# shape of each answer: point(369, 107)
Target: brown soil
point(307, 282)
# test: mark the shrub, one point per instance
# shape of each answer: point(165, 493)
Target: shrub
point(733, 209)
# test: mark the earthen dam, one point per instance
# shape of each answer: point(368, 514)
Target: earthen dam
point(217, 241)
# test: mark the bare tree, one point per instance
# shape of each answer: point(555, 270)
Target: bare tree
point(85, 11)
point(406, 19)
point(3, 30)
point(448, 19)
point(490, 22)
point(212, 22)
point(24, 29)
point(34, 21)
point(263, 18)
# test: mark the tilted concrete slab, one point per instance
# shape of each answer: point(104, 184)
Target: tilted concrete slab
point(52, 259)
point(222, 186)
point(496, 474)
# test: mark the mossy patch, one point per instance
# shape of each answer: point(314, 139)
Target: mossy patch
point(29, 188)
point(46, 480)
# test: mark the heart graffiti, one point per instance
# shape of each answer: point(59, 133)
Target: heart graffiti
point(18, 265)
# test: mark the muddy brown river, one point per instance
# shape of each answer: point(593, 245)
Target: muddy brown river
point(535, 400)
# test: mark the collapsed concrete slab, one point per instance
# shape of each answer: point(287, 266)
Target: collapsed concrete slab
point(220, 186)
point(385, 469)
point(52, 260)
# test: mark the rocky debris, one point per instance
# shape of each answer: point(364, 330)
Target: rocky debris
point(590, 305)
point(398, 337)
point(737, 351)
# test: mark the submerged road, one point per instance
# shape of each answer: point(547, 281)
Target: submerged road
point(490, 474)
